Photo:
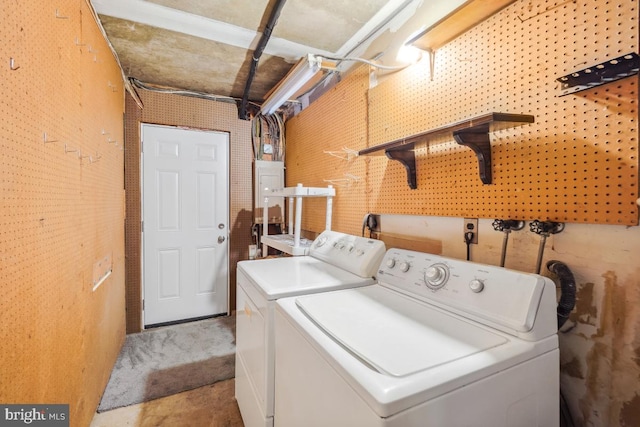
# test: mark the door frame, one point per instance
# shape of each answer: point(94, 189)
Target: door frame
point(141, 190)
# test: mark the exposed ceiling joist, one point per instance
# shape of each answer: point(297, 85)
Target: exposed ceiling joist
point(206, 46)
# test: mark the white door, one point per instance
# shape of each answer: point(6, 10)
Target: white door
point(185, 229)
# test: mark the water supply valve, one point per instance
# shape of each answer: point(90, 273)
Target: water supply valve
point(546, 227)
point(507, 224)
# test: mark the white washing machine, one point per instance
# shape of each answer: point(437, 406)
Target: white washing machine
point(436, 343)
point(335, 261)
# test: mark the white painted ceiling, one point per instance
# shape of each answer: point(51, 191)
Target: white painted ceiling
point(207, 45)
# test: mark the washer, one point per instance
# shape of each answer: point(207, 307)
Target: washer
point(437, 342)
point(335, 261)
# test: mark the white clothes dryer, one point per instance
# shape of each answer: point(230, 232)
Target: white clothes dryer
point(335, 261)
point(437, 342)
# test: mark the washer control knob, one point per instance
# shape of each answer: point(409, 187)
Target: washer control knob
point(405, 266)
point(476, 285)
point(436, 276)
point(359, 252)
point(350, 248)
point(391, 263)
point(434, 273)
point(341, 245)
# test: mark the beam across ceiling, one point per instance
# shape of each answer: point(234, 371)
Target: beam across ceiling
point(167, 18)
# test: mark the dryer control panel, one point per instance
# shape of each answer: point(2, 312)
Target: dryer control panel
point(358, 255)
point(498, 297)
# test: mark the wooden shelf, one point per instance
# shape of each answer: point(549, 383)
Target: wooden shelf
point(473, 133)
point(467, 16)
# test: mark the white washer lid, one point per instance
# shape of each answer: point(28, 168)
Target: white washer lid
point(292, 276)
point(395, 334)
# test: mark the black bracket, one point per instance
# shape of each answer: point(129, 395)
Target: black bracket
point(599, 74)
point(480, 143)
point(473, 133)
point(407, 157)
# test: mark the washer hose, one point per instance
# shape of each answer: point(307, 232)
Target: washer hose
point(567, 290)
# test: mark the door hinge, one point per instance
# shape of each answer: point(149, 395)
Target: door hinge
point(142, 305)
point(142, 226)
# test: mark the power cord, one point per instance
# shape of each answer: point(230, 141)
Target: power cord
point(468, 238)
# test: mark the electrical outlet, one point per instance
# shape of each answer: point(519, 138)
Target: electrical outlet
point(470, 224)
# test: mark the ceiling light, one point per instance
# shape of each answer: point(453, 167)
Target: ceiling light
point(408, 54)
point(295, 79)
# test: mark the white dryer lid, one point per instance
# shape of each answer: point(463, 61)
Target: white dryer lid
point(291, 276)
point(393, 333)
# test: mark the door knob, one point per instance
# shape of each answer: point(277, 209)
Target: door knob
point(221, 239)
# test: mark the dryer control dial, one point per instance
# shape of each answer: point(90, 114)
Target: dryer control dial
point(321, 241)
point(436, 276)
point(391, 263)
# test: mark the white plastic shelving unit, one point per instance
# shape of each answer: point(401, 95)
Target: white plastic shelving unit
point(289, 243)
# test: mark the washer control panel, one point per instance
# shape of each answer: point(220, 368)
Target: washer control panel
point(486, 292)
point(358, 255)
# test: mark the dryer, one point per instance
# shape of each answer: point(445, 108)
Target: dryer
point(335, 261)
point(437, 342)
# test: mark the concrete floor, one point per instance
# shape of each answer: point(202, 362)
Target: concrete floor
point(209, 406)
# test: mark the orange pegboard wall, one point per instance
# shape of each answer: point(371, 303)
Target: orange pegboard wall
point(319, 152)
point(577, 163)
point(62, 206)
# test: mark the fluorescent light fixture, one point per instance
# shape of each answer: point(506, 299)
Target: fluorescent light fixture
point(295, 79)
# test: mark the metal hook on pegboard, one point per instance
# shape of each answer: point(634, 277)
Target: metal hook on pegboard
point(345, 153)
point(58, 16)
point(12, 64)
point(91, 158)
point(68, 150)
point(77, 42)
point(47, 140)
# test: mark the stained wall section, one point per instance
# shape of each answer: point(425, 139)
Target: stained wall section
point(61, 206)
point(175, 110)
point(576, 164)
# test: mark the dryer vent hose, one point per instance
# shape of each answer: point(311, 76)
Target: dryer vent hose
point(567, 290)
